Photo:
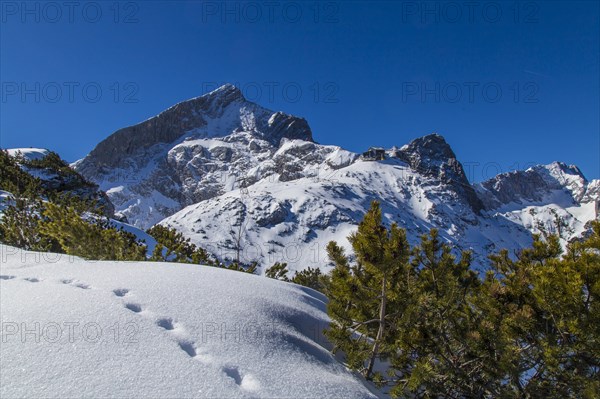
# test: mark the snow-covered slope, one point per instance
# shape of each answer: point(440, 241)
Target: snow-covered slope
point(74, 328)
point(292, 221)
point(28, 153)
point(254, 180)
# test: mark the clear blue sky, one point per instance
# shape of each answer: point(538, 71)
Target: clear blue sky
point(508, 84)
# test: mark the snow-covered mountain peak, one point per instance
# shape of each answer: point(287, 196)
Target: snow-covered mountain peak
point(190, 152)
point(215, 114)
point(227, 90)
point(561, 172)
point(564, 183)
point(223, 170)
point(213, 100)
point(592, 192)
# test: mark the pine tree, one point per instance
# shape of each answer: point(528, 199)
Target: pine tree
point(343, 295)
point(530, 328)
point(19, 226)
point(365, 298)
point(178, 248)
point(547, 310)
point(250, 269)
point(437, 338)
point(278, 271)
point(309, 277)
point(14, 179)
point(20, 219)
point(157, 254)
point(90, 239)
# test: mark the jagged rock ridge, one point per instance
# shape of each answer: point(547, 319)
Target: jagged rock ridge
point(227, 172)
point(432, 156)
point(193, 117)
point(194, 150)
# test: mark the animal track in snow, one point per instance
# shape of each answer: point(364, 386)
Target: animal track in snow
point(233, 373)
point(134, 307)
point(5, 277)
point(121, 292)
point(185, 344)
point(81, 285)
point(76, 283)
point(188, 347)
point(246, 382)
point(32, 279)
point(166, 323)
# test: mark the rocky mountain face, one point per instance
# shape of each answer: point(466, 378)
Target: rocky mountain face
point(216, 114)
point(241, 180)
point(534, 184)
point(432, 156)
point(193, 151)
point(554, 198)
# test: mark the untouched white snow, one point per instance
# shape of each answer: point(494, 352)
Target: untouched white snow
point(75, 328)
point(29, 153)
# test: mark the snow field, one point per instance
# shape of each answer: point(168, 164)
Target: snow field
point(75, 328)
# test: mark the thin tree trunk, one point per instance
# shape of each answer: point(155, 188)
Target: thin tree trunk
point(375, 350)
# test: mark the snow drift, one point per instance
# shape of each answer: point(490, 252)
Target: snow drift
point(76, 328)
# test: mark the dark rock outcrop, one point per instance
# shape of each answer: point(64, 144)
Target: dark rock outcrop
point(432, 156)
point(282, 125)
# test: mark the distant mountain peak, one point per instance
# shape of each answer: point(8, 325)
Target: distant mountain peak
point(227, 93)
point(219, 113)
point(226, 88)
point(430, 148)
point(431, 155)
point(533, 185)
point(558, 167)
